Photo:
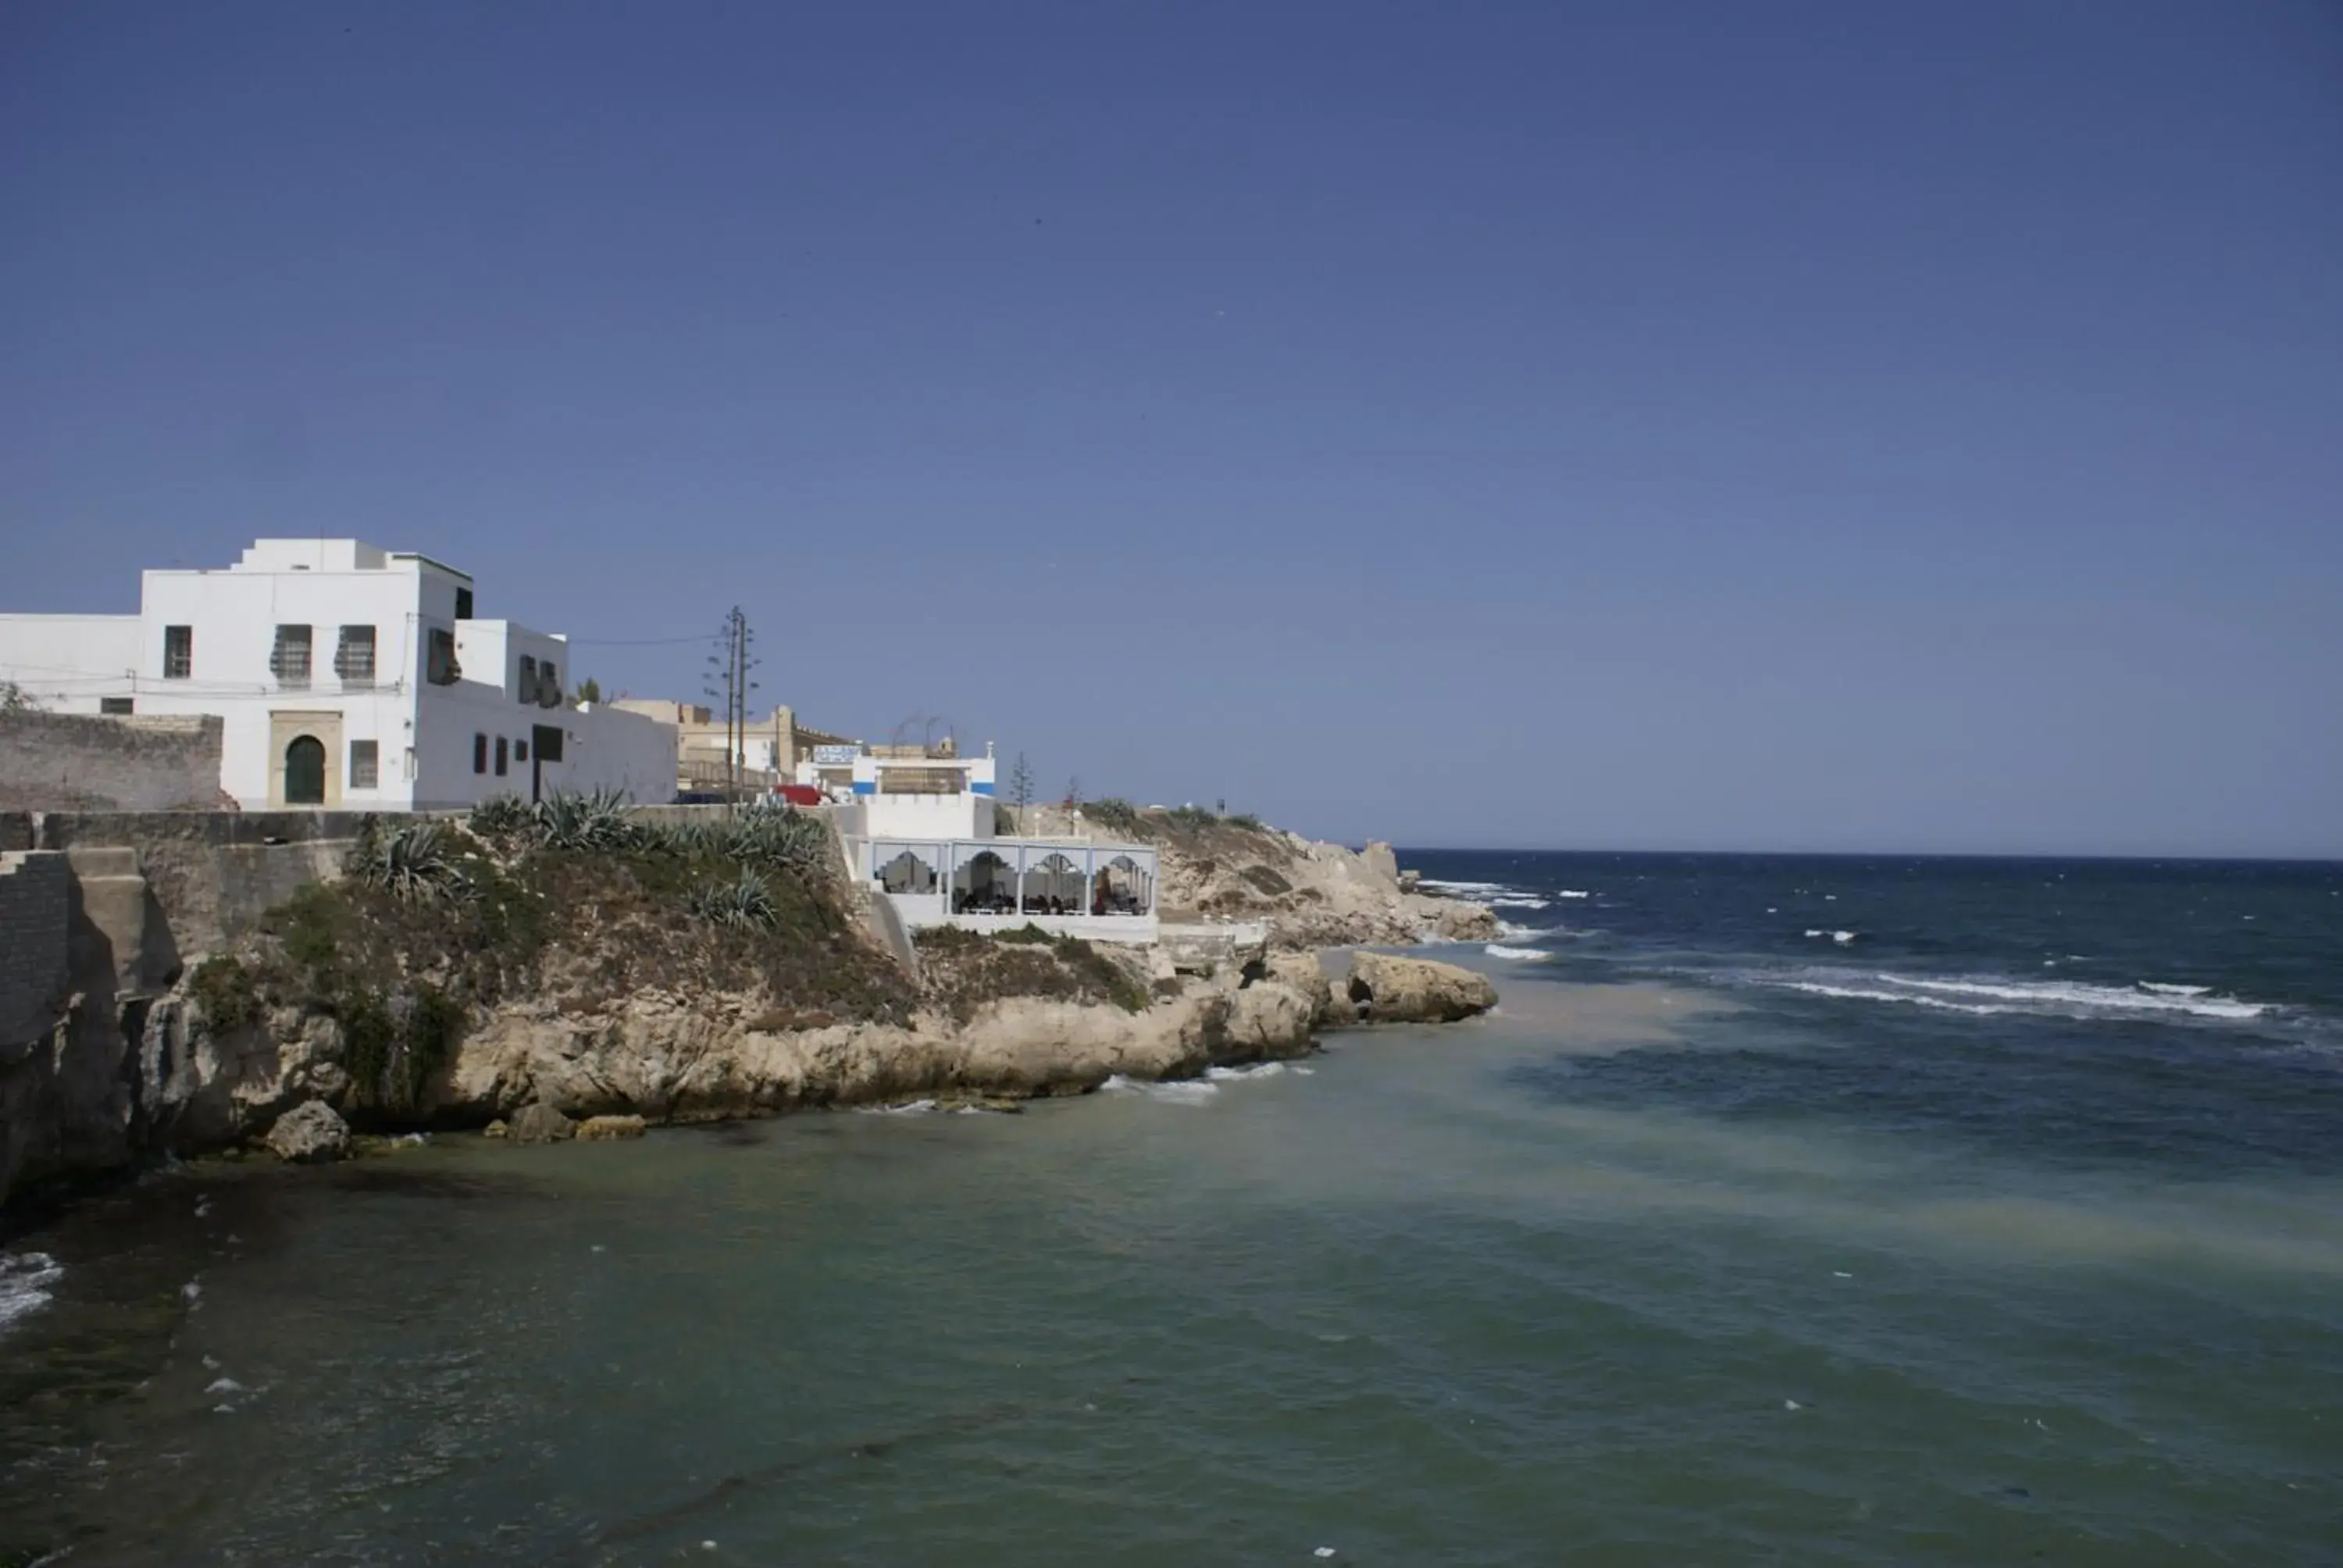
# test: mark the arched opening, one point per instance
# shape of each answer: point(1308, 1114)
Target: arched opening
point(1122, 887)
point(907, 873)
point(1053, 886)
point(984, 885)
point(304, 771)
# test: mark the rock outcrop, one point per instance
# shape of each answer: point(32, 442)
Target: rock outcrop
point(1311, 894)
point(1389, 990)
point(311, 1134)
point(538, 1122)
point(604, 1129)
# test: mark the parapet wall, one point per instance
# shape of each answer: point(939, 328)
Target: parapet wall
point(88, 762)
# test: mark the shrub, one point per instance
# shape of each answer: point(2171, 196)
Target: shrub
point(1191, 817)
point(411, 862)
point(1120, 815)
point(784, 839)
point(744, 905)
point(225, 993)
point(599, 821)
point(504, 817)
point(1247, 820)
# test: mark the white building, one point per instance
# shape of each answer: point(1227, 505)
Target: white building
point(345, 676)
point(920, 832)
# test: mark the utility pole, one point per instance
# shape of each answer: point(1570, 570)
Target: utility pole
point(729, 667)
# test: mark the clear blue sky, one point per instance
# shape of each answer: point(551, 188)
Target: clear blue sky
point(1848, 426)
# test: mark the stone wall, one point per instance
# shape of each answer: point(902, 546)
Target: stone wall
point(35, 895)
point(85, 762)
point(211, 874)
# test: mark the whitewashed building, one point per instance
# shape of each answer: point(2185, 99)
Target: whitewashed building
point(920, 831)
point(345, 676)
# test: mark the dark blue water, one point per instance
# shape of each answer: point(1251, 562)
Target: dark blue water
point(2178, 1015)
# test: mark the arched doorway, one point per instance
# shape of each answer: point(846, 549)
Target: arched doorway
point(304, 771)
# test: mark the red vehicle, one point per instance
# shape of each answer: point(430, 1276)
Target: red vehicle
point(798, 794)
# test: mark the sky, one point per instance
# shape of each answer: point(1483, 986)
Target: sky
point(1832, 427)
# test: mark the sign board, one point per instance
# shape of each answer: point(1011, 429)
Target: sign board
point(836, 756)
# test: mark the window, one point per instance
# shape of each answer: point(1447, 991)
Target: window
point(178, 652)
point(479, 754)
point(353, 660)
point(440, 667)
point(462, 604)
point(365, 763)
point(527, 682)
point(114, 705)
point(520, 750)
point(500, 756)
point(290, 661)
point(549, 685)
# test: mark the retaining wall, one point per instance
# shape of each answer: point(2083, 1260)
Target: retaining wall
point(89, 762)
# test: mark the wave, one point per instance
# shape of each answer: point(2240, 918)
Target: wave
point(1178, 1091)
point(1574, 893)
point(1499, 951)
point(24, 1281)
point(1841, 938)
point(909, 1108)
point(1985, 996)
point(1239, 1074)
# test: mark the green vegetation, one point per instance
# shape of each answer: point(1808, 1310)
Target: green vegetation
point(745, 904)
point(225, 993)
point(1120, 815)
point(966, 970)
point(414, 862)
point(571, 900)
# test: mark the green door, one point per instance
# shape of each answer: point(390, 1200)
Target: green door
point(304, 771)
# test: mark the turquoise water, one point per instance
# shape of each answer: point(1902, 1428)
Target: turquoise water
point(1665, 1265)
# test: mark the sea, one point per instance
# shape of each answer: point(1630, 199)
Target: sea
point(1788, 1210)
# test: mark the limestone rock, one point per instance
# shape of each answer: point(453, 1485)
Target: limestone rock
point(1381, 862)
point(497, 1128)
point(594, 1129)
point(311, 1133)
point(1271, 1019)
point(539, 1122)
point(1302, 974)
point(1390, 990)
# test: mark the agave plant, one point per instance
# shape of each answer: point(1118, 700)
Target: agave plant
point(782, 840)
point(411, 862)
point(504, 817)
point(599, 821)
point(744, 905)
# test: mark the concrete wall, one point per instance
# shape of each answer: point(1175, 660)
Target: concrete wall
point(35, 908)
point(76, 761)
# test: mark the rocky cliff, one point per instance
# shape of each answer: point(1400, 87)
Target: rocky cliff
point(1310, 894)
point(458, 975)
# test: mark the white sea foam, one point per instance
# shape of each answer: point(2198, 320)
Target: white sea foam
point(909, 1108)
point(1986, 995)
point(1525, 902)
point(1184, 1091)
point(1574, 893)
point(24, 1281)
point(1499, 951)
point(1239, 1074)
point(1841, 938)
